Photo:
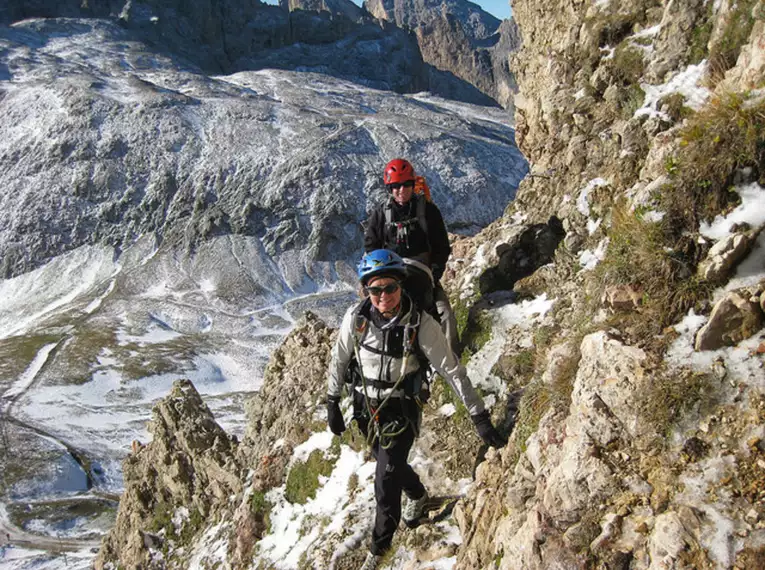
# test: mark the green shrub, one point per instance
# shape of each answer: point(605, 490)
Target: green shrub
point(632, 101)
point(261, 508)
point(628, 63)
point(700, 35)
point(476, 333)
point(303, 478)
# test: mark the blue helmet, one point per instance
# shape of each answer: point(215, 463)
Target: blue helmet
point(380, 262)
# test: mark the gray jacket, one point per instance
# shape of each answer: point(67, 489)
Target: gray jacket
point(375, 366)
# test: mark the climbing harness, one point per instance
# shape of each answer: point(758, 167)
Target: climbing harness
point(388, 431)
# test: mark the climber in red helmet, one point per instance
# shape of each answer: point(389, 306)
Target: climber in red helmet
point(412, 226)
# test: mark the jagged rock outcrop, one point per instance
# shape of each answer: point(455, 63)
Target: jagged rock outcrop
point(344, 8)
point(175, 484)
point(296, 379)
point(461, 38)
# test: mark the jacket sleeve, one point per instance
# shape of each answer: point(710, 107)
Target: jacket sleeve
point(435, 347)
point(374, 233)
point(342, 352)
point(440, 249)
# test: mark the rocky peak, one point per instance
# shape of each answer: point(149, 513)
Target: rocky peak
point(344, 8)
point(175, 483)
point(475, 22)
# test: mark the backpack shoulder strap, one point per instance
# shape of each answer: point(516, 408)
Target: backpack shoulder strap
point(421, 204)
point(388, 211)
point(411, 333)
point(388, 216)
point(360, 321)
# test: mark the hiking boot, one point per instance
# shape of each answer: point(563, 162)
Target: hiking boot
point(413, 509)
point(371, 562)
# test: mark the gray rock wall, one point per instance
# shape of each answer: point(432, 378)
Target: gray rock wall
point(460, 38)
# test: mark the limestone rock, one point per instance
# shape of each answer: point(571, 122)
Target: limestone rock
point(734, 318)
point(189, 466)
point(749, 71)
point(668, 539)
point(295, 381)
point(677, 26)
point(724, 255)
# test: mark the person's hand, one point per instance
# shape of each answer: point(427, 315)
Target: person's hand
point(486, 430)
point(335, 416)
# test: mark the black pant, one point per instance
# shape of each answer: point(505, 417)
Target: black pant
point(393, 475)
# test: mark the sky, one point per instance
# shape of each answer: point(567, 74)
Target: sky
point(497, 8)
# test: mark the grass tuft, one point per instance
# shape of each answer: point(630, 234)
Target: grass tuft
point(718, 141)
point(672, 395)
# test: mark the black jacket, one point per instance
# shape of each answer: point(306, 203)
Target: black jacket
point(377, 236)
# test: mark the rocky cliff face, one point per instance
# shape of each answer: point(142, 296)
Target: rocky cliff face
point(460, 38)
point(638, 429)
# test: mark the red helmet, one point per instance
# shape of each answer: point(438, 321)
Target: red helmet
point(398, 171)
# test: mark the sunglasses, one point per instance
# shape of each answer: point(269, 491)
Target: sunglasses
point(407, 184)
point(388, 289)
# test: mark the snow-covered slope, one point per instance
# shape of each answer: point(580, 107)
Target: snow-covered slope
point(104, 140)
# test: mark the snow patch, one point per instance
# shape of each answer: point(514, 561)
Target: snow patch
point(588, 260)
point(523, 315)
point(751, 211)
point(686, 83)
point(582, 202)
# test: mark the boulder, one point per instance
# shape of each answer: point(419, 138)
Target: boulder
point(734, 318)
point(724, 255)
point(610, 376)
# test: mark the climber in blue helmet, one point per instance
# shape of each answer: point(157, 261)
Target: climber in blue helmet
point(391, 343)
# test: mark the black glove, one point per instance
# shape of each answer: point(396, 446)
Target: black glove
point(335, 416)
point(437, 272)
point(488, 434)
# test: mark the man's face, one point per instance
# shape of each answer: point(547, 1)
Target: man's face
point(385, 294)
point(402, 192)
